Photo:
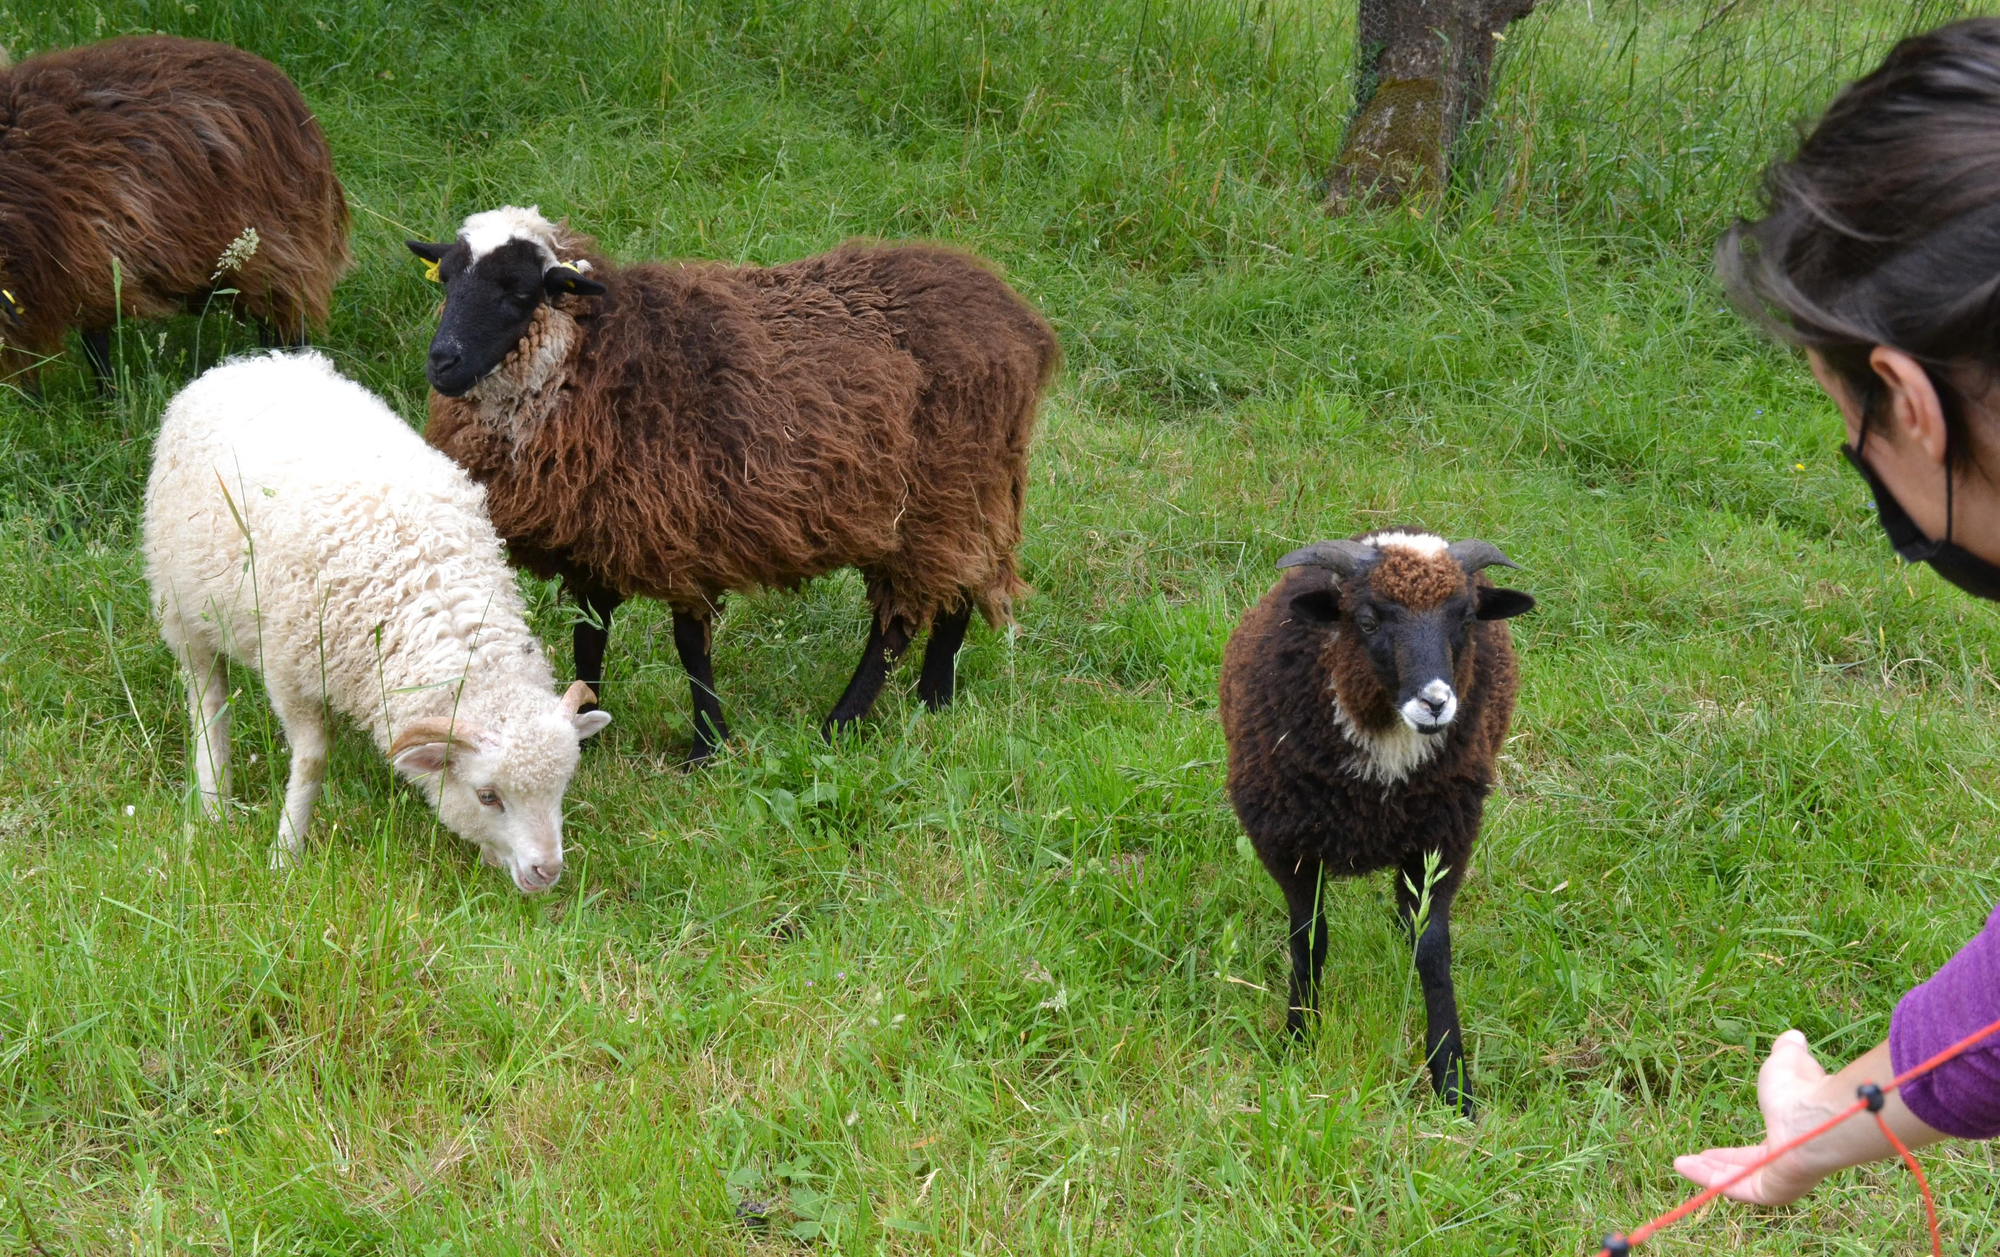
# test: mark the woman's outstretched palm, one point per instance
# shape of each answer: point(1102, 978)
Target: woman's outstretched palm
point(1788, 1089)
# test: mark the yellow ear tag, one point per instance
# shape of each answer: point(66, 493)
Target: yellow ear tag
point(13, 302)
point(430, 270)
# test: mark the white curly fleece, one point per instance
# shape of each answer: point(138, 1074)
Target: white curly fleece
point(379, 584)
point(353, 523)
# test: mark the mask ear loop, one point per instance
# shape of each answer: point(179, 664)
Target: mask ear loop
point(1939, 390)
point(1947, 487)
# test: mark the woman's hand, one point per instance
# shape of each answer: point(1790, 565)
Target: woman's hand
point(1796, 1094)
point(1788, 1088)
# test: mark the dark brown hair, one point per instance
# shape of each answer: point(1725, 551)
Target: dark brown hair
point(1884, 229)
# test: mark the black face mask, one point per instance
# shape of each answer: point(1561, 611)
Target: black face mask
point(1949, 560)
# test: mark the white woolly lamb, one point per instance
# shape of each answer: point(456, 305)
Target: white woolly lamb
point(296, 525)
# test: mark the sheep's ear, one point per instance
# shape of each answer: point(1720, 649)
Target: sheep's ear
point(427, 744)
point(428, 252)
point(590, 723)
point(424, 758)
point(1319, 605)
point(1504, 604)
point(567, 279)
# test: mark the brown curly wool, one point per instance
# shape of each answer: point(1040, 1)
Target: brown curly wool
point(159, 152)
point(714, 428)
point(529, 381)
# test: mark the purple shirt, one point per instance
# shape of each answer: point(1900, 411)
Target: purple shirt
point(1962, 1096)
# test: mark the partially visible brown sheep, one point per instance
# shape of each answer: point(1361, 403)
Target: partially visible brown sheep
point(162, 153)
point(679, 431)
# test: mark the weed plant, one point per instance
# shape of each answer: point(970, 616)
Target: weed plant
point(1005, 980)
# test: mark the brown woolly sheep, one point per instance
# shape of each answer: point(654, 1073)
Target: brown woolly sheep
point(1364, 699)
point(165, 154)
point(683, 430)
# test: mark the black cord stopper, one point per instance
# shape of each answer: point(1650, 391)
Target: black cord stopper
point(1617, 1245)
point(1871, 1095)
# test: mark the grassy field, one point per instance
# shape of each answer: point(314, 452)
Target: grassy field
point(1004, 980)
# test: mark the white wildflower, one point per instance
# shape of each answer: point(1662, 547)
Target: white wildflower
point(240, 250)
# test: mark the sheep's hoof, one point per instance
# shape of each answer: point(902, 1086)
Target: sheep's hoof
point(1451, 1087)
point(698, 754)
point(286, 855)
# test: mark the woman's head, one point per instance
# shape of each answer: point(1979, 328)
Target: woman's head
point(1884, 229)
point(1880, 256)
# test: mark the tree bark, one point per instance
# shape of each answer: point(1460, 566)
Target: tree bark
point(1423, 70)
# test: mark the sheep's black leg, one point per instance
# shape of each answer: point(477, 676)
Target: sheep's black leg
point(270, 336)
point(940, 674)
point(691, 639)
point(1303, 886)
point(588, 639)
point(97, 351)
point(1444, 1045)
point(886, 644)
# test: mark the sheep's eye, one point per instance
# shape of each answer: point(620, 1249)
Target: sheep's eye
point(1366, 621)
point(488, 795)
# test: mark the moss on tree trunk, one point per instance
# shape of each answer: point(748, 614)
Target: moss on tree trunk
point(1424, 68)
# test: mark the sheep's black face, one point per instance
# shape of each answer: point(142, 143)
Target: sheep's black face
point(1409, 603)
point(1416, 654)
point(488, 303)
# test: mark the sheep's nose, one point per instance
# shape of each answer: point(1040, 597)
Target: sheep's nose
point(547, 874)
point(1431, 708)
point(443, 360)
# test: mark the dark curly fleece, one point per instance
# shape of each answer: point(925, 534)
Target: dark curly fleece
point(1310, 815)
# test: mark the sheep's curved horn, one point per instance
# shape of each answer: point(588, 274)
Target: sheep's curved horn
point(1343, 558)
point(425, 729)
point(576, 696)
point(1473, 555)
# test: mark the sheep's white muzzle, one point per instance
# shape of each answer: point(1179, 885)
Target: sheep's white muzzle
point(529, 879)
point(532, 879)
point(1433, 708)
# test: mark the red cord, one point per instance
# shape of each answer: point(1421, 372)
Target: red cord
point(1923, 1184)
point(1617, 1245)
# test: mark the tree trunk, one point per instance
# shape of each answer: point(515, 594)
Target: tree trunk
point(1423, 70)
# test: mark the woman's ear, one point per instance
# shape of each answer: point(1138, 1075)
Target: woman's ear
point(1914, 412)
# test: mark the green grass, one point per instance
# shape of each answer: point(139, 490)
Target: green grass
point(1001, 980)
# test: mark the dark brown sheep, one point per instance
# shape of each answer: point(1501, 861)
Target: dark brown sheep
point(682, 430)
point(162, 153)
point(1364, 699)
